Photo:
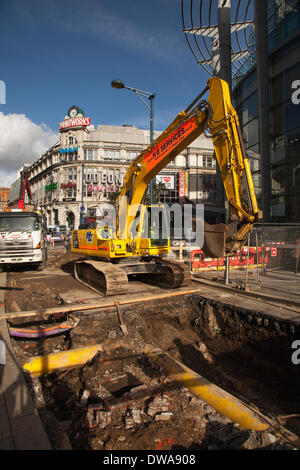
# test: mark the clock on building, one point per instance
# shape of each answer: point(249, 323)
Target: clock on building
point(74, 111)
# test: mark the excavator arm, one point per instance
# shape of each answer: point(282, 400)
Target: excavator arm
point(215, 118)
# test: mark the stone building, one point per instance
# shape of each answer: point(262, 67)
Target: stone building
point(4, 193)
point(266, 97)
point(87, 165)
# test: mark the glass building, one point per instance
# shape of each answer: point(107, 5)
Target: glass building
point(269, 117)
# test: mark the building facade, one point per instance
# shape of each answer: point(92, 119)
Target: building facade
point(87, 165)
point(4, 193)
point(268, 105)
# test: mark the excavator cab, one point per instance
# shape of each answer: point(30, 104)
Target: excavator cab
point(151, 223)
point(104, 233)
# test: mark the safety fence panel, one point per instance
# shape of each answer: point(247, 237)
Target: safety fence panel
point(270, 247)
point(283, 243)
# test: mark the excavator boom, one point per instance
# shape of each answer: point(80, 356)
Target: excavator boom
point(214, 117)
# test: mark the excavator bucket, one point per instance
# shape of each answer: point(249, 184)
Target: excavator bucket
point(214, 240)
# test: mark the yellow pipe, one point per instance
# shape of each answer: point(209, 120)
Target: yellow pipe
point(63, 360)
point(223, 402)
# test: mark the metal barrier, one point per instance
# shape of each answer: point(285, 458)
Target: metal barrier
point(270, 246)
point(283, 243)
point(199, 262)
point(267, 263)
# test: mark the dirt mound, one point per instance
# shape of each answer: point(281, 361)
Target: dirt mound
point(63, 260)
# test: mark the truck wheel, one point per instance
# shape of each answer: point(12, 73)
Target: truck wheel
point(1, 269)
point(41, 266)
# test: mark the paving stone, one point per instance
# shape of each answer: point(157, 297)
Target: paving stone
point(2, 400)
point(20, 425)
point(5, 430)
point(18, 400)
point(29, 433)
point(7, 444)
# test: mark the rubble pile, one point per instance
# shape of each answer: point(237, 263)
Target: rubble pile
point(119, 401)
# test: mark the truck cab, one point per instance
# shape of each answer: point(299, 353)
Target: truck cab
point(22, 239)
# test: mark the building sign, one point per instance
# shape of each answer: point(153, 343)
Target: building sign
point(170, 143)
point(74, 118)
point(77, 122)
point(107, 189)
point(68, 150)
point(50, 187)
point(69, 199)
point(182, 184)
point(68, 185)
point(167, 180)
point(104, 177)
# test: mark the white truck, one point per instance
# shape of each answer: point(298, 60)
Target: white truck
point(22, 239)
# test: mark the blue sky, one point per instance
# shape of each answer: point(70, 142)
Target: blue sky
point(58, 53)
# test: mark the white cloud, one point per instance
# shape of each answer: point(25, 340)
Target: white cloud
point(22, 141)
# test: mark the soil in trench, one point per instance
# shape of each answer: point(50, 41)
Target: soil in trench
point(120, 401)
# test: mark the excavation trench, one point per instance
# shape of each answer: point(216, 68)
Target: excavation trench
point(120, 400)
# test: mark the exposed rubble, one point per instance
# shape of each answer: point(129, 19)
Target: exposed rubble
point(107, 404)
point(119, 400)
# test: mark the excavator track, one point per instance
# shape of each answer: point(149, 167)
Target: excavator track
point(104, 278)
point(175, 274)
point(109, 279)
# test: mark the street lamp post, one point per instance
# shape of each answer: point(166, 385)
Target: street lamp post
point(141, 94)
point(82, 186)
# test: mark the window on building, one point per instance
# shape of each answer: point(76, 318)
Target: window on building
point(72, 140)
point(130, 155)
point(111, 154)
point(209, 187)
point(71, 192)
point(71, 174)
point(69, 157)
point(282, 20)
point(249, 108)
point(87, 192)
point(90, 154)
point(207, 162)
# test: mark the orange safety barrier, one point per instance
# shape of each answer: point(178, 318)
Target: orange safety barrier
point(198, 259)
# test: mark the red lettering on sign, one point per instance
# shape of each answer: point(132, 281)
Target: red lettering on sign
point(169, 143)
point(77, 122)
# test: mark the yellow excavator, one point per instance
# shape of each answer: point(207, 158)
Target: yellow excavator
point(121, 252)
